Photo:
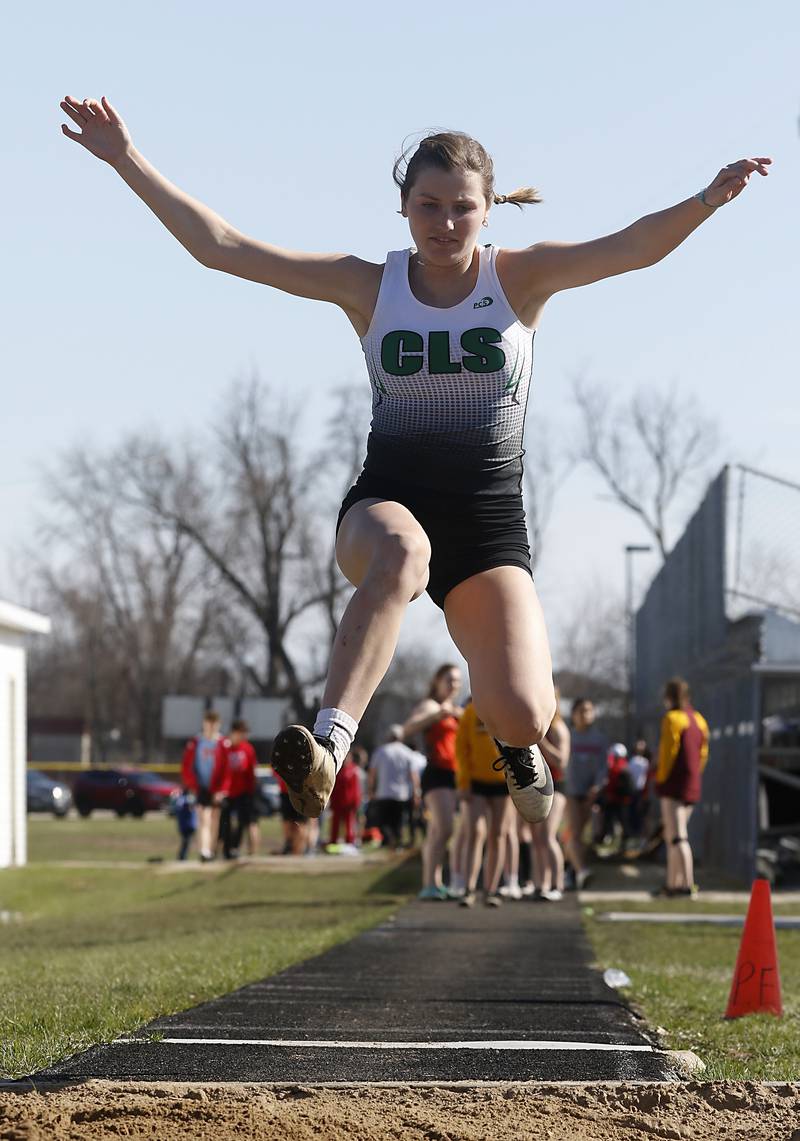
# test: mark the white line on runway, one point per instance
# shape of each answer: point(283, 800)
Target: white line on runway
point(331, 1044)
point(787, 922)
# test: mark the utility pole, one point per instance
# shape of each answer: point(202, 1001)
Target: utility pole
point(631, 549)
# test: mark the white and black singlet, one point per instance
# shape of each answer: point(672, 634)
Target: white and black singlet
point(449, 393)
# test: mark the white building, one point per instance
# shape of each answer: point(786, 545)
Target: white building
point(15, 623)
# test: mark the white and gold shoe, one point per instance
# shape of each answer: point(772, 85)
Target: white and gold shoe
point(307, 765)
point(528, 780)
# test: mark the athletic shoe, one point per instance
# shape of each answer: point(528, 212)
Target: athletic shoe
point(307, 765)
point(583, 879)
point(492, 900)
point(662, 892)
point(467, 900)
point(528, 780)
point(553, 895)
point(514, 892)
point(686, 892)
point(453, 892)
point(528, 890)
point(431, 893)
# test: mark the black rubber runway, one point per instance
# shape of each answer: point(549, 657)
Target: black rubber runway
point(440, 993)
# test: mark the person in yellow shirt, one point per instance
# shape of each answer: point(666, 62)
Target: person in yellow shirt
point(682, 757)
point(491, 812)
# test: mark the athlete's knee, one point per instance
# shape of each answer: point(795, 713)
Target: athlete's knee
point(522, 720)
point(400, 562)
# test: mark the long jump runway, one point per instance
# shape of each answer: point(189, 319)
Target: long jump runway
point(439, 993)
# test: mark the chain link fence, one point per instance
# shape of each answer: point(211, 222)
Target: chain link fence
point(724, 612)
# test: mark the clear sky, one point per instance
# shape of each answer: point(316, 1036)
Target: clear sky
point(286, 119)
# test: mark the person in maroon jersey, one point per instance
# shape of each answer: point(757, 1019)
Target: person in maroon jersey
point(237, 784)
point(682, 757)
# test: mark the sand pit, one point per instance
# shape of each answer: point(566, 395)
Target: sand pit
point(614, 1112)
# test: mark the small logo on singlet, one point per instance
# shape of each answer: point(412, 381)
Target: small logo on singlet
point(484, 301)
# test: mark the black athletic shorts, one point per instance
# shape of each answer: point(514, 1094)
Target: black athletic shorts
point(434, 776)
point(489, 787)
point(468, 533)
point(205, 798)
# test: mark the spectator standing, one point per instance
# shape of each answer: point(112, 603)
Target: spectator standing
point(639, 769)
point(197, 773)
point(490, 811)
point(585, 777)
point(682, 757)
point(416, 814)
point(186, 819)
point(345, 801)
point(436, 717)
point(295, 826)
point(237, 784)
point(393, 785)
point(548, 858)
point(616, 796)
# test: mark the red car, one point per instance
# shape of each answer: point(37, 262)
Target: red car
point(123, 791)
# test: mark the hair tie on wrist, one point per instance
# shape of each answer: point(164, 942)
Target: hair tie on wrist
point(701, 196)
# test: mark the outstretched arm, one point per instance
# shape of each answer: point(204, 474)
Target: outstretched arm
point(209, 238)
point(544, 269)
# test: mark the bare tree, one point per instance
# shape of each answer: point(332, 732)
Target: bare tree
point(134, 604)
point(649, 452)
point(592, 642)
point(261, 515)
point(543, 475)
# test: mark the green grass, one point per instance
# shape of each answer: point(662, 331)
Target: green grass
point(104, 837)
point(98, 952)
point(681, 977)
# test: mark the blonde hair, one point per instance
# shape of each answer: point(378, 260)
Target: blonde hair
point(676, 692)
point(453, 150)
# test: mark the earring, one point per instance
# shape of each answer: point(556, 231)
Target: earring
point(485, 222)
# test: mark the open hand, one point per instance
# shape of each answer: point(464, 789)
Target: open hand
point(102, 130)
point(732, 179)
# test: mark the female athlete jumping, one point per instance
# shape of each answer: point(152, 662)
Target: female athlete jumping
point(447, 328)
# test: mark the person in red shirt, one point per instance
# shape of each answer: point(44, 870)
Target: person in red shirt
point(616, 796)
point(345, 801)
point(235, 781)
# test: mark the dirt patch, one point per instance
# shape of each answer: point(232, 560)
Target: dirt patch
point(710, 1111)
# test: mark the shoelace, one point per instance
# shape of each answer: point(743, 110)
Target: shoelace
point(506, 762)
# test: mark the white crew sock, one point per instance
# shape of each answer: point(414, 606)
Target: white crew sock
point(340, 729)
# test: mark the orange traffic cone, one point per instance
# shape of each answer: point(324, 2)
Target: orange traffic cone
point(756, 982)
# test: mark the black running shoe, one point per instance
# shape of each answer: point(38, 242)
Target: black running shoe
point(528, 780)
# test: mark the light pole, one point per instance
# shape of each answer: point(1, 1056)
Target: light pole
point(631, 549)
